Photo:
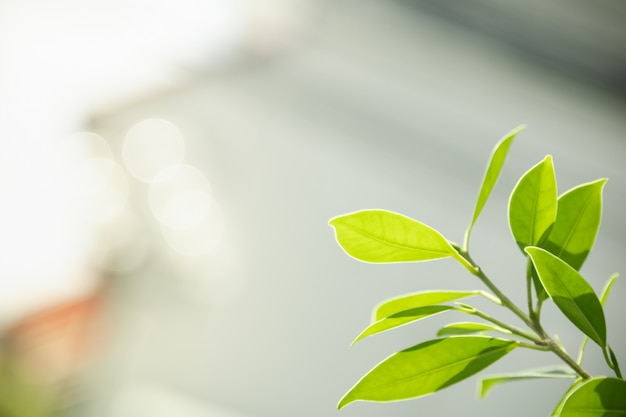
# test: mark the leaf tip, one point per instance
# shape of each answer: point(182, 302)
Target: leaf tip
point(532, 249)
point(356, 339)
point(337, 220)
point(513, 132)
point(345, 400)
point(518, 128)
point(601, 182)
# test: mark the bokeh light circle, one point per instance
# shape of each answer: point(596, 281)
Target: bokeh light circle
point(150, 146)
point(180, 197)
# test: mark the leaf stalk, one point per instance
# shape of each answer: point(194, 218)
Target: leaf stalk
point(512, 329)
point(533, 323)
point(611, 360)
point(554, 347)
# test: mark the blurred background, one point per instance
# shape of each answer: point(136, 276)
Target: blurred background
point(168, 169)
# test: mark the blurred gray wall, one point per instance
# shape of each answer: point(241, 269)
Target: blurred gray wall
point(380, 106)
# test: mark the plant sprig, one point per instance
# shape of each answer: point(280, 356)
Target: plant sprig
point(555, 234)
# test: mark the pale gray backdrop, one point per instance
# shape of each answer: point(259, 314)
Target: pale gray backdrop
point(379, 107)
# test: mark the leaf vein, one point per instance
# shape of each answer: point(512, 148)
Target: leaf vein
point(396, 245)
point(573, 228)
point(492, 352)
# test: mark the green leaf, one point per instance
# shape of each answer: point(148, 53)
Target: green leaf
point(596, 397)
point(496, 161)
point(571, 293)
point(613, 364)
point(415, 300)
point(465, 328)
point(541, 373)
point(532, 206)
point(605, 294)
point(577, 222)
point(532, 211)
point(427, 368)
point(384, 236)
point(607, 288)
point(400, 319)
point(571, 389)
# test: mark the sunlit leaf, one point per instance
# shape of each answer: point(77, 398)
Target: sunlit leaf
point(577, 222)
point(400, 319)
point(607, 288)
point(571, 293)
point(571, 389)
point(605, 294)
point(384, 236)
point(597, 397)
point(532, 206)
point(496, 161)
point(427, 368)
point(532, 211)
point(488, 383)
point(465, 328)
point(415, 300)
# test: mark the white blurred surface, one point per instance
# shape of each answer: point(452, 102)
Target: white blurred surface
point(62, 61)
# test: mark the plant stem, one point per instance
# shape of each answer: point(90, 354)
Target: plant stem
point(466, 240)
point(554, 347)
point(503, 298)
point(611, 361)
point(534, 347)
point(533, 324)
point(538, 309)
point(529, 290)
point(512, 329)
point(582, 351)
